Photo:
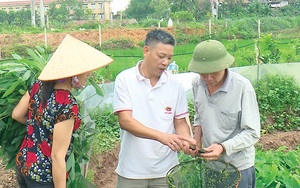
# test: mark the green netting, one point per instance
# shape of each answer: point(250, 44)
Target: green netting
point(200, 173)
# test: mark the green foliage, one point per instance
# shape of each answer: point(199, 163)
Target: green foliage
point(202, 10)
point(16, 77)
point(191, 6)
point(82, 145)
point(161, 8)
point(279, 103)
point(152, 23)
point(258, 9)
point(119, 44)
point(91, 24)
point(20, 49)
point(278, 168)
point(270, 52)
point(242, 50)
point(182, 16)
point(139, 9)
point(20, 18)
point(108, 132)
point(67, 11)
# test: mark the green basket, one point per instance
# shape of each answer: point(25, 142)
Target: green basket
point(200, 173)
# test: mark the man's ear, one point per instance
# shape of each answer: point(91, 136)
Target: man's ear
point(146, 50)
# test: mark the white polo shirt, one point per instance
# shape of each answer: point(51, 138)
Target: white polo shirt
point(154, 107)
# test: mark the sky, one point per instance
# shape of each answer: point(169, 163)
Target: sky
point(116, 5)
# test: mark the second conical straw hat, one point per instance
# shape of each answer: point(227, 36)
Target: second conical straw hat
point(73, 57)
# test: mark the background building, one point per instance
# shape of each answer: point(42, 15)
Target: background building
point(101, 9)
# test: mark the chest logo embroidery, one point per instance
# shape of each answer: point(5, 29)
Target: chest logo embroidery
point(168, 110)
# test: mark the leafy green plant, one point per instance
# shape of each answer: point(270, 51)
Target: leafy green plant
point(106, 136)
point(278, 102)
point(16, 77)
point(108, 131)
point(278, 168)
point(269, 51)
point(80, 156)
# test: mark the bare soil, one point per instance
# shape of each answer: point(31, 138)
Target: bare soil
point(16, 43)
point(9, 43)
point(104, 165)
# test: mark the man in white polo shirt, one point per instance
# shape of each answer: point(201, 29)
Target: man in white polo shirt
point(227, 120)
point(152, 108)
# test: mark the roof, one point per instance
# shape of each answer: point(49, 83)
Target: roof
point(23, 3)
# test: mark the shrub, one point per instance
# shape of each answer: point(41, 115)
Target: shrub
point(152, 23)
point(107, 128)
point(279, 102)
point(117, 44)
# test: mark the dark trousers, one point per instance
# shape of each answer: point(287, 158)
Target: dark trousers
point(248, 178)
point(25, 182)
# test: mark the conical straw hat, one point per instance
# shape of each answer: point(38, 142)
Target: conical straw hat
point(73, 57)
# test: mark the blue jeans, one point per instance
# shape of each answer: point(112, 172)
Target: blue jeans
point(248, 178)
point(26, 182)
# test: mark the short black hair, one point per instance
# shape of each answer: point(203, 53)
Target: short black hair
point(159, 36)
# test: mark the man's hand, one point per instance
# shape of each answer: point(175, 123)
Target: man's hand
point(177, 142)
point(213, 152)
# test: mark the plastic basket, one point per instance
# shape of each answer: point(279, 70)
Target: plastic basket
point(200, 173)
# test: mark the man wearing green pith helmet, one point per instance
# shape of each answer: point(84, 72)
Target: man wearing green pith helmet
point(227, 121)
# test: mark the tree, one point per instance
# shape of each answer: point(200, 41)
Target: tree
point(161, 8)
point(258, 9)
point(19, 18)
point(68, 10)
point(3, 17)
point(139, 9)
point(204, 10)
point(187, 5)
point(80, 12)
point(59, 15)
point(191, 6)
point(233, 8)
point(184, 16)
point(22, 18)
point(293, 9)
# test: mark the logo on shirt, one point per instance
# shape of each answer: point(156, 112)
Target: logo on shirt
point(168, 110)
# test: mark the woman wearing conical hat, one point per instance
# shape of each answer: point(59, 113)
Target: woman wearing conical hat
point(51, 114)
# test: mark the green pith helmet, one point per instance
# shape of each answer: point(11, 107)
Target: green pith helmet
point(210, 56)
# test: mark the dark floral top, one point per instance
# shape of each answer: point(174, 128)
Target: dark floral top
point(34, 156)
